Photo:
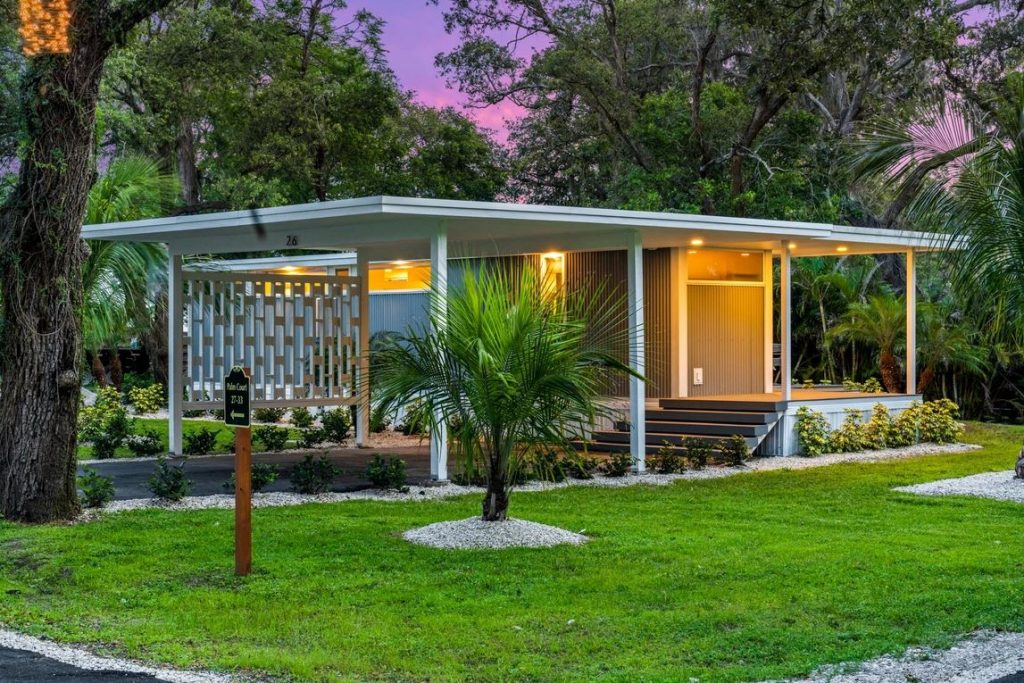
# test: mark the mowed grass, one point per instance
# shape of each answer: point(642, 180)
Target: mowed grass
point(741, 579)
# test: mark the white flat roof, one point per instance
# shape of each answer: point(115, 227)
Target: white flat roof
point(400, 227)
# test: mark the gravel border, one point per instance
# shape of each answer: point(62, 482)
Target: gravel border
point(449, 490)
point(473, 533)
point(994, 485)
point(83, 659)
point(982, 657)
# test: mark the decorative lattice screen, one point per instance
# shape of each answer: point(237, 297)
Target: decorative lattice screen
point(299, 335)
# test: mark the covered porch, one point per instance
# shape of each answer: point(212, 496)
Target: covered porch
point(697, 293)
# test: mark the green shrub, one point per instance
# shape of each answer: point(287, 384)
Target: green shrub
point(617, 465)
point(96, 490)
point(146, 443)
point(132, 380)
point(148, 399)
point(580, 465)
point(387, 473)
point(880, 431)
point(268, 414)
point(698, 452)
point(379, 419)
point(270, 438)
point(199, 441)
point(336, 424)
point(116, 431)
point(313, 475)
point(734, 450)
point(546, 465)
point(812, 431)
point(668, 459)
point(312, 437)
point(869, 386)
point(849, 437)
point(415, 420)
point(938, 421)
point(262, 475)
point(168, 481)
point(301, 418)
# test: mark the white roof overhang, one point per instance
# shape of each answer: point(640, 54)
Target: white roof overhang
point(400, 227)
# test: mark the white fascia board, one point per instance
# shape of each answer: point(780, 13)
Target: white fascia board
point(274, 262)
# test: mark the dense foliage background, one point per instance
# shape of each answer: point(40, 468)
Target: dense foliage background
point(736, 107)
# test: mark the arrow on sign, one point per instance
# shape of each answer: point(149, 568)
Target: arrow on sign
point(238, 416)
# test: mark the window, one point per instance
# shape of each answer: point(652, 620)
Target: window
point(725, 266)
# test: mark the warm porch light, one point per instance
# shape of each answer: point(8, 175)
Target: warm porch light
point(696, 242)
point(552, 271)
point(841, 249)
point(744, 253)
point(44, 27)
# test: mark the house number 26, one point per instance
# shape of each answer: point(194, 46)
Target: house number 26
point(291, 240)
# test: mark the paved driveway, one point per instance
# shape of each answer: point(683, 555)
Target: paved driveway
point(208, 473)
point(21, 666)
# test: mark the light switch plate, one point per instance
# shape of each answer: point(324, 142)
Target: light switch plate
point(698, 376)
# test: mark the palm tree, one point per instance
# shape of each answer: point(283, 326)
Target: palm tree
point(509, 367)
point(946, 345)
point(118, 276)
point(881, 322)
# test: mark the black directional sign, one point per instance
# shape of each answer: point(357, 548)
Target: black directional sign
point(236, 398)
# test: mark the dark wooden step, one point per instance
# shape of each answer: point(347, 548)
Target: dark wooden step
point(700, 428)
point(660, 439)
point(762, 406)
point(727, 416)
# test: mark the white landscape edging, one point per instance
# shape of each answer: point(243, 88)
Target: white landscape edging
point(449, 490)
point(981, 658)
point(88, 661)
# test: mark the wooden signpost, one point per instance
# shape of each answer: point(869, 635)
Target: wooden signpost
point(236, 414)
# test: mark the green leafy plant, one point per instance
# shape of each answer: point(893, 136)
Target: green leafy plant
point(336, 424)
point(313, 475)
point(734, 450)
point(269, 415)
point(312, 437)
point(117, 430)
point(938, 421)
point(849, 436)
point(168, 481)
point(147, 442)
point(270, 438)
point(698, 452)
point(95, 489)
point(379, 419)
point(387, 473)
point(812, 431)
point(545, 464)
point(617, 465)
point(262, 475)
point(668, 459)
point(301, 418)
point(105, 423)
point(580, 465)
point(199, 441)
point(147, 399)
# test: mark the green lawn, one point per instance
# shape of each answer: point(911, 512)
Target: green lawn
point(225, 435)
point(742, 579)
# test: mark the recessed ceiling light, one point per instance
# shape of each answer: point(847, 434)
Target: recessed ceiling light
point(792, 246)
point(841, 248)
point(745, 253)
point(696, 241)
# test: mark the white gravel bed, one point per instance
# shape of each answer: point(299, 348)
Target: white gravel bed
point(449, 490)
point(995, 485)
point(88, 661)
point(983, 657)
point(474, 533)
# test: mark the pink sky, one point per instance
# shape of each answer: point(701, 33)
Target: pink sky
point(413, 35)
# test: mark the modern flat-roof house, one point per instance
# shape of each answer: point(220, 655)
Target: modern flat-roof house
point(698, 294)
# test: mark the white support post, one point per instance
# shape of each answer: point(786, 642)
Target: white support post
point(637, 395)
point(786, 318)
point(363, 378)
point(175, 323)
point(439, 299)
point(911, 322)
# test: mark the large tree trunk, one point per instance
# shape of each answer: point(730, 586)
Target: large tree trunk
point(99, 373)
point(41, 255)
point(116, 369)
point(925, 381)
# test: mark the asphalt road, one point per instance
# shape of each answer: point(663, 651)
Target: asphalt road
point(208, 473)
point(21, 666)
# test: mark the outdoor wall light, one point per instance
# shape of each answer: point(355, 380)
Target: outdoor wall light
point(44, 27)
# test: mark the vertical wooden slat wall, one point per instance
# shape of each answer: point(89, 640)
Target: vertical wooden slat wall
point(726, 333)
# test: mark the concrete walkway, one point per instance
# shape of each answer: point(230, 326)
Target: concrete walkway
point(208, 473)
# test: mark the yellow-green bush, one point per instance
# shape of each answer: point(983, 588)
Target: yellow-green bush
point(147, 399)
point(812, 430)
